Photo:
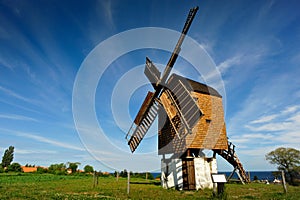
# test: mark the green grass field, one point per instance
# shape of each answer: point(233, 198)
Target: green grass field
point(48, 186)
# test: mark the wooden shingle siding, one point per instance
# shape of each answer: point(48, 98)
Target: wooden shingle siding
point(208, 133)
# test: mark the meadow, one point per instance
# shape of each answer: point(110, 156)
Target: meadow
point(49, 186)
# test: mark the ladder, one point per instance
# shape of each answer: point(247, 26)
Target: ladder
point(233, 159)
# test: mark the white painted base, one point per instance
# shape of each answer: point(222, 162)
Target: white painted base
point(171, 173)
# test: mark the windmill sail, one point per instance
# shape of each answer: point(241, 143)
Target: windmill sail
point(178, 102)
point(149, 109)
point(142, 122)
point(152, 73)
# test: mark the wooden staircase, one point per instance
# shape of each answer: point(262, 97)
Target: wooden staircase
point(232, 158)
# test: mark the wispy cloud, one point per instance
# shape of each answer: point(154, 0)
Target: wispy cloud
point(230, 62)
point(222, 69)
point(30, 151)
point(13, 94)
point(247, 138)
point(286, 121)
point(290, 109)
point(19, 106)
point(44, 140)
point(17, 96)
point(271, 127)
point(106, 7)
point(3, 62)
point(102, 17)
point(264, 119)
point(50, 141)
point(272, 130)
point(17, 117)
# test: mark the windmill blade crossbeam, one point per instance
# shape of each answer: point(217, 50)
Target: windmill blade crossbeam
point(145, 119)
point(185, 104)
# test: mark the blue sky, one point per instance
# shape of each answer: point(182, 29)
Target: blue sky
point(255, 46)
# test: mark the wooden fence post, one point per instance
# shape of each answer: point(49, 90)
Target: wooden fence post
point(94, 179)
point(128, 182)
point(97, 177)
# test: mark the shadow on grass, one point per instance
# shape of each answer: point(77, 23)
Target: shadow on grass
point(144, 183)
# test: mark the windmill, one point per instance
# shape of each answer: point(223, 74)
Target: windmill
point(190, 119)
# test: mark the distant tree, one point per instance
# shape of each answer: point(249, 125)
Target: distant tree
point(123, 173)
point(41, 170)
point(115, 173)
point(14, 167)
point(73, 166)
point(150, 176)
point(8, 156)
point(143, 175)
point(57, 169)
point(286, 159)
point(88, 169)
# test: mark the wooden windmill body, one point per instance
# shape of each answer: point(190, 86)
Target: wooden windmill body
point(209, 131)
point(190, 119)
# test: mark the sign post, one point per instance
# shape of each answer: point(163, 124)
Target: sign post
point(220, 179)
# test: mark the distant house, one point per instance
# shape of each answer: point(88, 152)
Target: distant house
point(105, 173)
point(69, 171)
point(29, 169)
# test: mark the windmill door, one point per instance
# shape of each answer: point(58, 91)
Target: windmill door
point(188, 174)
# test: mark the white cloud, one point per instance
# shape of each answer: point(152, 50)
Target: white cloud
point(261, 151)
point(30, 151)
point(250, 138)
point(17, 117)
point(15, 95)
point(264, 119)
point(228, 63)
point(269, 131)
point(272, 127)
point(106, 7)
point(44, 140)
point(50, 141)
point(288, 139)
point(287, 121)
point(290, 109)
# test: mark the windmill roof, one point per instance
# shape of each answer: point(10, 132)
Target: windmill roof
point(196, 86)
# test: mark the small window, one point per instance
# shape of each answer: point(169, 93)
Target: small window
point(208, 121)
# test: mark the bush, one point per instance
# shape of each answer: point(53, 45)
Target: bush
point(14, 167)
point(58, 169)
point(41, 170)
point(1, 169)
point(88, 169)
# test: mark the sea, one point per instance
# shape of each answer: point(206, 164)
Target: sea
point(260, 175)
